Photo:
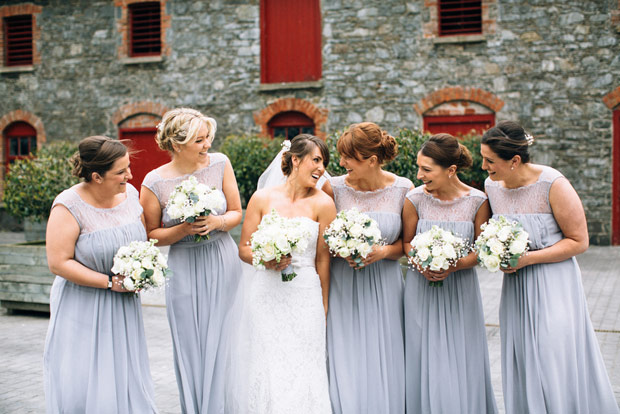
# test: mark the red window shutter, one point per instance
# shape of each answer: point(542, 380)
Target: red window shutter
point(145, 29)
point(20, 140)
point(459, 124)
point(460, 17)
point(290, 40)
point(146, 153)
point(18, 40)
point(289, 124)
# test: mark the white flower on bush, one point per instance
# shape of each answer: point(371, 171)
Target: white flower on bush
point(501, 243)
point(142, 265)
point(352, 234)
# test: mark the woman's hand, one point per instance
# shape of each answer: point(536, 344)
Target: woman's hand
point(437, 276)
point(117, 284)
point(377, 253)
point(285, 261)
point(521, 262)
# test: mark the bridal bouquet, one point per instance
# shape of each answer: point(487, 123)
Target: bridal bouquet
point(501, 243)
point(436, 249)
point(191, 199)
point(276, 237)
point(352, 234)
point(142, 264)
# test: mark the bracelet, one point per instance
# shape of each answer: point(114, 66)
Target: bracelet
point(222, 223)
point(110, 282)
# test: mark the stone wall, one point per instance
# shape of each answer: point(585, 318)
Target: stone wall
point(550, 63)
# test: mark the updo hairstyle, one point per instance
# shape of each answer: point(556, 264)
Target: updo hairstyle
point(363, 140)
point(302, 145)
point(180, 126)
point(96, 154)
point(508, 139)
point(446, 150)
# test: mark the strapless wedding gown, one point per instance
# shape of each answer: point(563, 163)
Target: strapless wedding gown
point(278, 359)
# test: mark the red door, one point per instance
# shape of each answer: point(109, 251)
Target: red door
point(458, 124)
point(147, 154)
point(615, 202)
point(290, 40)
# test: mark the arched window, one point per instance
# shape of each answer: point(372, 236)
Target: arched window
point(288, 124)
point(20, 140)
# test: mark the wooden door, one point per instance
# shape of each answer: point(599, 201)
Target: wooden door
point(459, 124)
point(147, 155)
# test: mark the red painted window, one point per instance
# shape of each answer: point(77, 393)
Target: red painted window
point(459, 124)
point(145, 29)
point(20, 140)
point(18, 40)
point(460, 17)
point(147, 154)
point(289, 124)
point(290, 40)
point(615, 204)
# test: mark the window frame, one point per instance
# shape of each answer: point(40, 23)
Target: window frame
point(19, 130)
point(10, 22)
point(290, 119)
point(131, 28)
point(441, 18)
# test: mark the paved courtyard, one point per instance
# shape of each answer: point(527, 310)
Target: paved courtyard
point(22, 336)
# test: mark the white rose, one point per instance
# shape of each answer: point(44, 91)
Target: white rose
point(147, 263)
point(356, 230)
point(268, 252)
point(439, 263)
point(504, 233)
point(437, 251)
point(364, 249)
point(136, 265)
point(128, 283)
point(158, 278)
point(518, 246)
point(496, 246)
point(490, 230)
point(523, 235)
point(491, 262)
point(344, 252)
point(449, 251)
point(423, 253)
point(283, 245)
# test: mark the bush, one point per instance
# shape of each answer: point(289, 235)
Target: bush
point(32, 184)
point(409, 143)
point(249, 155)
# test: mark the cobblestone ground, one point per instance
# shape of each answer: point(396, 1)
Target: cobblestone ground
point(22, 336)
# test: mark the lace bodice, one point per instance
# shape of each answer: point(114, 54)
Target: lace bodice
point(434, 209)
point(211, 175)
point(530, 206)
point(384, 205)
point(91, 219)
point(530, 199)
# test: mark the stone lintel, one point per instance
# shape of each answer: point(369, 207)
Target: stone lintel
point(265, 87)
point(141, 59)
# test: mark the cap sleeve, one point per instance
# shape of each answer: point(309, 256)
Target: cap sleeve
point(71, 201)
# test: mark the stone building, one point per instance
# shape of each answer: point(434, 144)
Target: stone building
point(73, 68)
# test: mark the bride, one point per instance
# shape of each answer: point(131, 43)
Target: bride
point(278, 358)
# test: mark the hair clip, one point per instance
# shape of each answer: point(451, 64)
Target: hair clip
point(529, 139)
point(286, 145)
point(158, 126)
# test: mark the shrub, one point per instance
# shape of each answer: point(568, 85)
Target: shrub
point(249, 155)
point(33, 183)
point(409, 143)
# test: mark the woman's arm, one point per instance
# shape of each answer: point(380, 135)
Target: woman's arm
point(327, 214)
point(482, 216)
point(410, 224)
point(152, 216)
point(61, 235)
point(232, 217)
point(570, 216)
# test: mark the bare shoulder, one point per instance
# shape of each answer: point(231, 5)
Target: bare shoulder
point(322, 199)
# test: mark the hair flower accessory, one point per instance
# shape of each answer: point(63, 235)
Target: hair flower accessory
point(529, 138)
point(158, 126)
point(286, 145)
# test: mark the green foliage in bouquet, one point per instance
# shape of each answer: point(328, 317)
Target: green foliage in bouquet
point(249, 155)
point(409, 143)
point(33, 183)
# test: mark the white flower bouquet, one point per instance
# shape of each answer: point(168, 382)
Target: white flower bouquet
point(276, 237)
point(352, 234)
point(436, 249)
point(501, 243)
point(142, 264)
point(191, 199)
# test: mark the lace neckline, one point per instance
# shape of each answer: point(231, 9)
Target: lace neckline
point(102, 208)
point(378, 190)
point(188, 174)
point(432, 197)
point(538, 180)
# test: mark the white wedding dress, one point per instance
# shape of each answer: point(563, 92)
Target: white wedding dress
point(278, 360)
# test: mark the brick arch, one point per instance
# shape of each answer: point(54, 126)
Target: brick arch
point(459, 93)
point(612, 99)
point(25, 116)
point(144, 111)
point(318, 115)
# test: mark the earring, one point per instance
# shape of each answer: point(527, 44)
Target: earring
point(512, 168)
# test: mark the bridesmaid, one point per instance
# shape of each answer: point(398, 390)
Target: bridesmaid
point(447, 360)
point(551, 361)
point(205, 274)
point(365, 320)
point(95, 351)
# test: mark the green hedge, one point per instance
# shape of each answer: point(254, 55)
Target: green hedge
point(33, 183)
point(249, 155)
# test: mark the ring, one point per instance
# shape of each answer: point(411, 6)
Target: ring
point(207, 227)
